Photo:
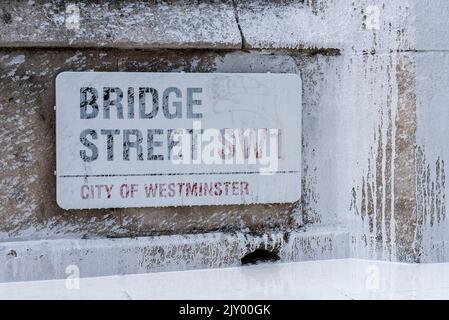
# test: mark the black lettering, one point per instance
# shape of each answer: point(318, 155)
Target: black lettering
point(117, 102)
point(93, 148)
point(127, 144)
point(142, 103)
point(91, 102)
point(152, 144)
point(191, 102)
point(130, 103)
point(110, 141)
point(176, 104)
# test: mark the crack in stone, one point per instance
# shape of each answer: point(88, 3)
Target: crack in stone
point(236, 15)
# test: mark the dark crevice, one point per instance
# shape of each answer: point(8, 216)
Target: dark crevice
point(260, 256)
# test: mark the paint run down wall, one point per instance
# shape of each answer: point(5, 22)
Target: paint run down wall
point(374, 119)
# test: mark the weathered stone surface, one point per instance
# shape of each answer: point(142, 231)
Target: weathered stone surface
point(27, 161)
point(28, 209)
point(384, 197)
point(339, 120)
point(353, 26)
point(374, 120)
point(119, 24)
point(432, 154)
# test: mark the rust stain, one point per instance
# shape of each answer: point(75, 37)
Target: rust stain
point(404, 162)
point(388, 190)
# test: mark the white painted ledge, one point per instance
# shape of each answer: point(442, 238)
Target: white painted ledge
point(49, 259)
point(330, 279)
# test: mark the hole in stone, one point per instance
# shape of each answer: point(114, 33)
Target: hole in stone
point(260, 256)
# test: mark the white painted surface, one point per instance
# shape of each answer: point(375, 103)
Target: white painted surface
point(268, 104)
point(48, 259)
point(330, 279)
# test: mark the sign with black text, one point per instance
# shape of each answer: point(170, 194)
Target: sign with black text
point(127, 139)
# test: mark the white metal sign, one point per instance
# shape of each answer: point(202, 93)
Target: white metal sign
point(177, 139)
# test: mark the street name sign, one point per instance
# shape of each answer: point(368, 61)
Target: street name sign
point(131, 139)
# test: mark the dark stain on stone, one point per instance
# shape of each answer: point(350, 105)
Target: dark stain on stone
point(260, 256)
point(12, 253)
point(6, 17)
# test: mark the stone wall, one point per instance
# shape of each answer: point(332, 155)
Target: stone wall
point(374, 114)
